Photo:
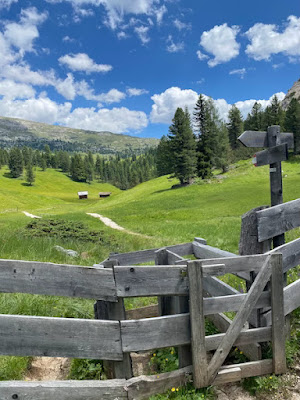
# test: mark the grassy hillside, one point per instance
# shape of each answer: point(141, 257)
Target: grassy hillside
point(18, 131)
point(211, 210)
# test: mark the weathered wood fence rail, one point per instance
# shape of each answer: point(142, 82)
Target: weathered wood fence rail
point(112, 337)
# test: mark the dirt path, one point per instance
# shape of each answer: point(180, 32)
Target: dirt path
point(30, 215)
point(48, 369)
point(113, 225)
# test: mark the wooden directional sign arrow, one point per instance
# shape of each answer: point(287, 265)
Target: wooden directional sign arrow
point(271, 155)
point(260, 139)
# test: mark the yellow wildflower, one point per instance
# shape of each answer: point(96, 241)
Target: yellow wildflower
point(173, 389)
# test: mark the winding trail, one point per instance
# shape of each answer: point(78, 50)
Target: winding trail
point(108, 222)
point(30, 215)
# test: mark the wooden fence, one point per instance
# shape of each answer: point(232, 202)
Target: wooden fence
point(188, 290)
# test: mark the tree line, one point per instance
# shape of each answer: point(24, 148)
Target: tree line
point(120, 172)
point(195, 146)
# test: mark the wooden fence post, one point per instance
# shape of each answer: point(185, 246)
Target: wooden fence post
point(114, 311)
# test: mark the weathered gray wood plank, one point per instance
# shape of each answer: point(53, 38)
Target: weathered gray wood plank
point(240, 319)
point(271, 155)
point(143, 256)
point(60, 337)
point(175, 258)
point(143, 387)
point(253, 368)
point(276, 220)
point(291, 297)
point(151, 333)
point(278, 321)
point(56, 279)
point(63, 390)
point(204, 251)
point(174, 330)
point(195, 275)
point(151, 281)
point(290, 254)
point(233, 265)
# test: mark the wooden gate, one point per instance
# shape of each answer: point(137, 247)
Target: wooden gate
point(266, 267)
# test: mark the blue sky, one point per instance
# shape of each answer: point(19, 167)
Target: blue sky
point(126, 65)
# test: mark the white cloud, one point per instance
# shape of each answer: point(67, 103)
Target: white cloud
point(241, 72)
point(136, 92)
point(82, 62)
point(42, 109)
point(266, 40)
point(117, 120)
point(6, 54)
point(142, 32)
point(166, 103)
point(68, 39)
point(174, 47)
point(159, 13)
point(22, 35)
point(35, 109)
point(7, 3)
point(201, 56)
point(12, 90)
point(221, 42)
point(122, 35)
point(182, 25)
point(23, 73)
point(112, 96)
point(66, 87)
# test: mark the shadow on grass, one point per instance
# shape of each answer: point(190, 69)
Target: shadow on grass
point(26, 184)
point(178, 186)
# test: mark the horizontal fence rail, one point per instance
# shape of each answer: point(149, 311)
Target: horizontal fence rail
point(132, 389)
point(60, 337)
point(279, 219)
point(57, 280)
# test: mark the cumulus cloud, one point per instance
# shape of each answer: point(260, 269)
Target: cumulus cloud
point(23, 73)
point(82, 62)
point(66, 87)
point(174, 47)
point(112, 96)
point(142, 32)
point(221, 42)
point(12, 90)
point(267, 40)
point(118, 120)
point(42, 109)
point(22, 35)
point(166, 103)
point(136, 92)
point(159, 13)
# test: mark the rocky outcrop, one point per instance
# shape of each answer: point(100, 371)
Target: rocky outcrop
point(294, 92)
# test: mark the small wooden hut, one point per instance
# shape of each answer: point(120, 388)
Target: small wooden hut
point(83, 195)
point(104, 194)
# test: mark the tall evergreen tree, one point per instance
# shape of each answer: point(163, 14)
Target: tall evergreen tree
point(183, 145)
point(292, 122)
point(29, 174)
point(222, 159)
point(255, 120)
point(15, 162)
point(274, 114)
point(234, 126)
point(164, 157)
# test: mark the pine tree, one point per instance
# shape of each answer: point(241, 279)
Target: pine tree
point(234, 126)
point(292, 122)
point(274, 114)
point(29, 174)
point(255, 120)
point(15, 162)
point(164, 157)
point(207, 125)
point(183, 145)
point(222, 159)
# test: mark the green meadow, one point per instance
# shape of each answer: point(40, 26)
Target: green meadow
point(209, 209)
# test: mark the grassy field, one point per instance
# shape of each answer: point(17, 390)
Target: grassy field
point(211, 210)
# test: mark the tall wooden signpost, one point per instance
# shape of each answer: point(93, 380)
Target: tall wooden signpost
point(277, 144)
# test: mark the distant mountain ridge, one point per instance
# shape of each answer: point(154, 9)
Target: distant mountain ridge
point(19, 132)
